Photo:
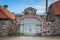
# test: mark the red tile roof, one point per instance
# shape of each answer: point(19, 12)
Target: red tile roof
point(4, 13)
point(56, 7)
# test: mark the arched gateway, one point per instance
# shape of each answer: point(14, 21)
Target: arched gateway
point(30, 24)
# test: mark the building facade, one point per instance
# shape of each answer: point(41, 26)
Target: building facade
point(6, 22)
point(54, 17)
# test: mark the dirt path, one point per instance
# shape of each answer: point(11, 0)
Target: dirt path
point(32, 38)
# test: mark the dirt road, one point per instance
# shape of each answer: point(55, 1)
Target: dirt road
point(31, 38)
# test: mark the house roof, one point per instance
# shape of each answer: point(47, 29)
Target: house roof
point(56, 7)
point(5, 14)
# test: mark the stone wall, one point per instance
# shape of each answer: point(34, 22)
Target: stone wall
point(4, 25)
point(57, 26)
point(7, 27)
point(51, 28)
point(47, 28)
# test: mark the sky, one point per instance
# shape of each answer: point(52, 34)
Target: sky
point(18, 6)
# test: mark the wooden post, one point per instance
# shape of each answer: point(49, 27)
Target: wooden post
point(46, 6)
point(47, 9)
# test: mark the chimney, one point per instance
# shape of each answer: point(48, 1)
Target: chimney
point(5, 6)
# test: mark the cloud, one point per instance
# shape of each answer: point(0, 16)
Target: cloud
point(40, 9)
point(40, 5)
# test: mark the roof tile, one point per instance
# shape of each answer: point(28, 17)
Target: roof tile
point(4, 13)
point(56, 7)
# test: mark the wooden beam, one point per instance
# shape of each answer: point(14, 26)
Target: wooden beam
point(46, 6)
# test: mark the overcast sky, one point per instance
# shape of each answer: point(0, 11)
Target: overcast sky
point(18, 6)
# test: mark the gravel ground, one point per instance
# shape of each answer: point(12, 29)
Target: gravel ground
point(30, 38)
